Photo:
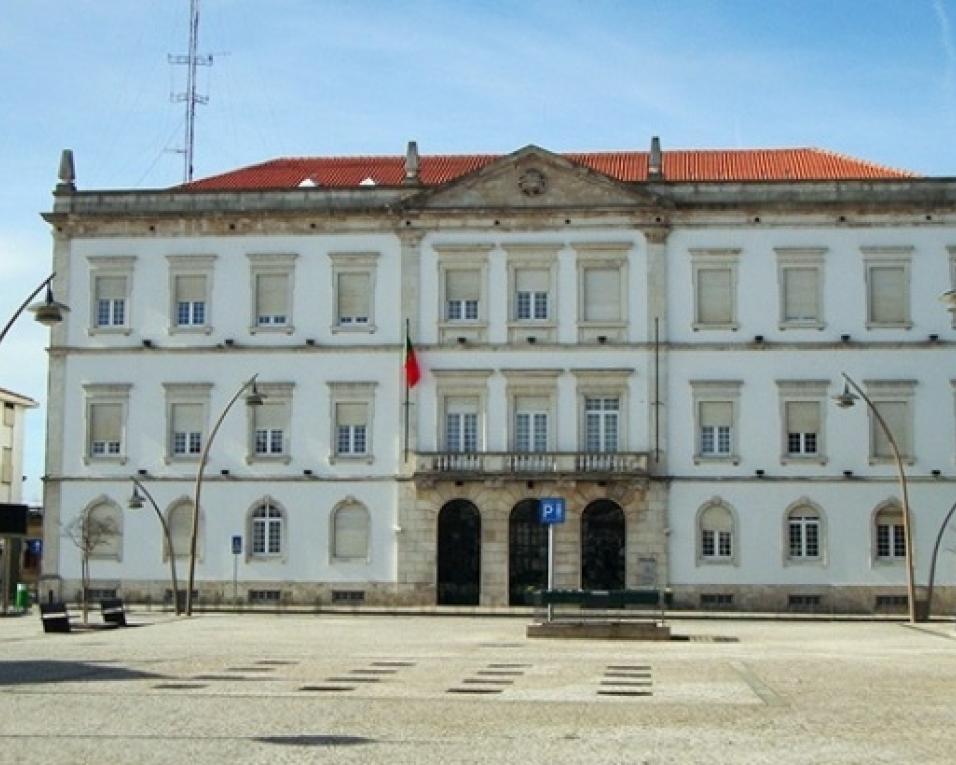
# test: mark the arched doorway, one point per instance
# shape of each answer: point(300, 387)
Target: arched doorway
point(602, 546)
point(459, 554)
point(527, 552)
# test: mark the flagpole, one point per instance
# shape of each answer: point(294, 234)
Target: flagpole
point(405, 375)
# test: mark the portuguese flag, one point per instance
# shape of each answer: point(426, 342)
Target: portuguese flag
point(413, 372)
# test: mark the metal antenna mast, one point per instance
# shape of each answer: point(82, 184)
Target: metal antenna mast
point(191, 60)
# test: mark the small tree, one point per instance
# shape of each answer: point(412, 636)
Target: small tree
point(89, 532)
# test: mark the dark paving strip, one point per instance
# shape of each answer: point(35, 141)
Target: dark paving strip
point(628, 666)
point(486, 681)
point(393, 663)
point(627, 674)
point(179, 686)
point(474, 690)
point(327, 688)
point(509, 666)
point(250, 669)
point(628, 683)
point(354, 679)
point(625, 693)
point(501, 645)
point(230, 678)
point(499, 673)
point(373, 671)
point(276, 662)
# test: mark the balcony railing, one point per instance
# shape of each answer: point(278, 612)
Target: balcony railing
point(483, 464)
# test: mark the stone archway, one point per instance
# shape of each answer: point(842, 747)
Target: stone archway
point(603, 546)
point(459, 554)
point(527, 552)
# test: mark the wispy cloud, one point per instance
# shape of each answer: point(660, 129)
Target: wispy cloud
point(946, 36)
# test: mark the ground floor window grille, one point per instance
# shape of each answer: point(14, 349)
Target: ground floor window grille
point(265, 597)
point(716, 600)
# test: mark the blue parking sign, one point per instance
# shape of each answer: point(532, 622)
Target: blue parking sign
point(237, 545)
point(551, 510)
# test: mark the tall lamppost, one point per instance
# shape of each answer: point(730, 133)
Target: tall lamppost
point(847, 399)
point(135, 503)
point(48, 312)
point(253, 399)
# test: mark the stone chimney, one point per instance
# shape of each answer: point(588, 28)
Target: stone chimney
point(411, 164)
point(66, 178)
point(655, 163)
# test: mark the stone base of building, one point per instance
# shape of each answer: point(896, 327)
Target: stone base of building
point(600, 630)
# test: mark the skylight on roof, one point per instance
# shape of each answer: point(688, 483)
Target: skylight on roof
point(369, 181)
point(308, 183)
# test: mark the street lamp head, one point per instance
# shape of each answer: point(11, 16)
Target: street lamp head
point(846, 399)
point(949, 298)
point(136, 500)
point(49, 312)
point(255, 398)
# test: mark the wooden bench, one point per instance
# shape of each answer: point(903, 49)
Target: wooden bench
point(55, 617)
point(602, 598)
point(113, 611)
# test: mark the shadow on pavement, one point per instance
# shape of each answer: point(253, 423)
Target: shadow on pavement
point(29, 672)
point(314, 740)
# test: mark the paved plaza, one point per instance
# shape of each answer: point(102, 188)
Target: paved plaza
point(276, 688)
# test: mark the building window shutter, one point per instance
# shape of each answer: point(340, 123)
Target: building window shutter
point(716, 518)
point(714, 303)
point(895, 413)
point(602, 294)
point(271, 292)
point(351, 414)
point(354, 298)
point(187, 417)
point(800, 294)
point(6, 467)
point(887, 295)
point(462, 285)
point(351, 532)
point(190, 288)
point(803, 416)
point(106, 427)
point(532, 280)
point(110, 287)
point(271, 416)
point(716, 414)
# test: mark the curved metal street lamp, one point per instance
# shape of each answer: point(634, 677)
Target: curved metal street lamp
point(135, 503)
point(253, 399)
point(846, 400)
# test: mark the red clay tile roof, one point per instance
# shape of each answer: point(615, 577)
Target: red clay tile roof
point(680, 166)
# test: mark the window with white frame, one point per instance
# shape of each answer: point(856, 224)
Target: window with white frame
point(803, 534)
point(531, 294)
point(601, 294)
point(351, 415)
point(267, 520)
point(462, 294)
point(101, 533)
point(272, 291)
point(106, 407)
point(353, 274)
point(802, 404)
point(716, 404)
point(350, 531)
point(462, 291)
point(800, 275)
point(602, 423)
point(893, 399)
point(602, 290)
point(890, 536)
point(270, 423)
point(532, 414)
point(887, 286)
point(461, 423)
point(715, 527)
point(190, 277)
point(111, 279)
point(715, 288)
point(803, 428)
point(186, 407)
point(461, 399)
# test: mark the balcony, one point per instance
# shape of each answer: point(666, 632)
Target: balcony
point(476, 466)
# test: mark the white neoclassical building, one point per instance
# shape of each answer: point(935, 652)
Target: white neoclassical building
point(653, 336)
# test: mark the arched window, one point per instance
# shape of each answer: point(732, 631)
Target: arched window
point(267, 519)
point(804, 533)
point(103, 531)
point(350, 530)
point(180, 521)
point(890, 539)
point(715, 526)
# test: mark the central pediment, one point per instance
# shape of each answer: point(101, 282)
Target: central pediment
point(533, 178)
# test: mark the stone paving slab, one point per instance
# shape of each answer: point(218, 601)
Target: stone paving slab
point(251, 688)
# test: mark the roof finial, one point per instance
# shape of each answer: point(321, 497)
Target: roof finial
point(655, 163)
point(411, 164)
point(67, 176)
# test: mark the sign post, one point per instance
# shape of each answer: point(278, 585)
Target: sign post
point(236, 552)
point(551, 512)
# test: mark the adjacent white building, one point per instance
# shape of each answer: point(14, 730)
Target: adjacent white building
point(654, 336)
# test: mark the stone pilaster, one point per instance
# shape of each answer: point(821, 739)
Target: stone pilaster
point(656, 238)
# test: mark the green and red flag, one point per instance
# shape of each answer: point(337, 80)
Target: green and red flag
point(413, 372)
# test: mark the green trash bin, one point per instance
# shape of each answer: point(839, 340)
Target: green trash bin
point(23, 597)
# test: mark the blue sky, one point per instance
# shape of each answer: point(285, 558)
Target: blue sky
point(874, 79)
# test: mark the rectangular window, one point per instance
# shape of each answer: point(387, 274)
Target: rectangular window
point(9, 414)
point(602, 294)
point(801, 294)
point(190, 300)
point(715, 303)
point(716, 421)
point(110, 301)
point(354, 299)
point(715, 543)
point(888, 293)
point(804, 536)
point(531, 424)
point(186, 429)
point(6, 465)
point(271, 421)
point(106, 430)
point(351, 423)
point(890, 541)
point(896, 416)
point(531, 294)
point(461, 424)
point(462, 293)
point(803, 424)
point(601, 424)
point(272, 299)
